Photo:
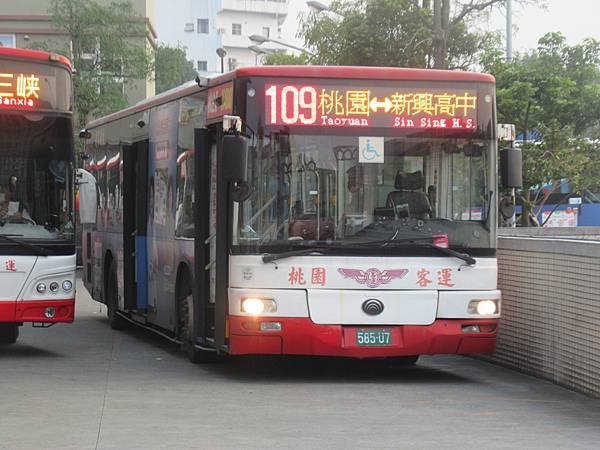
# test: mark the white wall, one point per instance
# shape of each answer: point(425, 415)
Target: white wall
point(252, 23)
point(172, 16)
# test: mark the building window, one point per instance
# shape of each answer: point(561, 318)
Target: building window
point(203, 26)
point(7, 40)
point(231, 63)
point(203, 66)
point(236, 29)
point(266, 32)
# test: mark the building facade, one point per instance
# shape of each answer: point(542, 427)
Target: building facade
point(202, 27)
point(25, 23)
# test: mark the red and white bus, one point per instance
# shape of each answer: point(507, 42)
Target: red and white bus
point(343, 211)
point(37, 236)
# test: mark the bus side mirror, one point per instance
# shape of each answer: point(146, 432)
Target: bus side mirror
point(88, 196)
point(235, 154)
point(511, 168)
point(234, 158)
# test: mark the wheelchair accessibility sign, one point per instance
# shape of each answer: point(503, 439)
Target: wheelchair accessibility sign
point(370, 149)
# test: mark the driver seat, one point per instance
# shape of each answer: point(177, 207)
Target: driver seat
point(409, 196)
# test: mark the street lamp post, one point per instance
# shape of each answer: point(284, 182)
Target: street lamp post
point(258, 51)
point(221, 52)
point(260, 39)
point(509, 49)
point(317, 6)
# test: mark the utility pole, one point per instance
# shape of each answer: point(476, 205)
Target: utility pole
point(509, 43)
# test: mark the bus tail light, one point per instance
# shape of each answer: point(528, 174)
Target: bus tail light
point(257, 306)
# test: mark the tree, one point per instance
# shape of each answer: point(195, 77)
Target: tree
point(172, 68)
point(404, 33)
point(449, 29)
point(552, 95)
point(363, 32)
point(108, 49)
point(285, 59)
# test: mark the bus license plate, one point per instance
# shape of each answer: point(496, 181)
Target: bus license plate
point(373, 337)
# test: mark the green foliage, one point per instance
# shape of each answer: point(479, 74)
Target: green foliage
point(172, 68)
point(108, 49)
point(369, 33)
point(553, 91)
point(399, 33)
point(285, 59)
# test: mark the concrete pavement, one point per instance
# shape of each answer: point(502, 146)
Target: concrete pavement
point(85, 386)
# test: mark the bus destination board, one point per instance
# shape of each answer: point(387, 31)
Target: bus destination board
point(387, 107)
point(19, 90)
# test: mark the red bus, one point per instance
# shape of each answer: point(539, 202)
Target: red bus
point(37, 236)
point(343, 211)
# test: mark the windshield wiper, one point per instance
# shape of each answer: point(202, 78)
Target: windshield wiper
point(40, 251)
point(447, 251)
point(416, 240)
point(270, 257)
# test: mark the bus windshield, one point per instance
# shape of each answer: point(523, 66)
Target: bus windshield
point(314, 188)
point(360, 161)
point(35, 176)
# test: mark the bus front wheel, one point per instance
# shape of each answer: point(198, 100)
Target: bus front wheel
point(9, 332)
point(186, 333)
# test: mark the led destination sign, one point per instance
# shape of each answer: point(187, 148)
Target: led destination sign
point(19, 90)
point(389, 107)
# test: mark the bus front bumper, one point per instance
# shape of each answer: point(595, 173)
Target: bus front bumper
point(301, 336)
point(39, 311)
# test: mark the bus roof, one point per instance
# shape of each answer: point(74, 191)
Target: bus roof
point(363, 72)
point(342, 72)
point(26, 54)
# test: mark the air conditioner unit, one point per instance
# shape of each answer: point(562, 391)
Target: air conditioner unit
point(220, 30)
point(188, 26)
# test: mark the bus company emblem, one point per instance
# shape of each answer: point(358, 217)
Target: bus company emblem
point(373, 277)
point(372, 306)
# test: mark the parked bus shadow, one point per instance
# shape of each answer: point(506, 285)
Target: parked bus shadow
point(18, 350)
point(314, 368)
point(326, 369)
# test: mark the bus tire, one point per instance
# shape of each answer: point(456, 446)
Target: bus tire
point(186, 327)
point(403, 360)
point(115, 321)
point(9, 332)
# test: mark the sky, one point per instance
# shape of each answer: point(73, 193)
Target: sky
point(576, 19)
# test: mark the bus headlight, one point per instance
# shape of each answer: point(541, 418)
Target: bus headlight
point(41, 288)
point(483, 307)
point(257, 306)
point(54, 286)
point(67, 285)
point(50, 312)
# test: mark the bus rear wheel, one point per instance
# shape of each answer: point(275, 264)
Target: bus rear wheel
point(186, 333)
point(9, 332)
point(115, 321)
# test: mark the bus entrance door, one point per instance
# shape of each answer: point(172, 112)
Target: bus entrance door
point(135, 216)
